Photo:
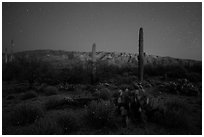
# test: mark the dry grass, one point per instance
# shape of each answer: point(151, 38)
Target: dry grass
point(25, 114)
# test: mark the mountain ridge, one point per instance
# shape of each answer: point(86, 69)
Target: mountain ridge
point(115, 58)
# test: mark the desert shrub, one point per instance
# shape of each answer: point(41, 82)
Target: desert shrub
point(100, 114)
point(150, 70)
point(9, 97)
point(175, 116)
point(28, 70)
point(21, 88)
point(195, 68)
point(125, 80)
point(103, 93)
point(28, 95)
point(9, 71)
point(115, 94)
point(90, 88)
point(70, 55)
point(172, 115)
point(172, 71)
point(125, 86)
point(105, 71)
point(46, 126)
point(25, 114)
point(189, 90)
point(40, 88)
point(176, 72)
point(194, 77)
point(76, 74)
point(43, 126)
point(181, 86)
point(50, 90)
point(54, 103)
point(68, 122)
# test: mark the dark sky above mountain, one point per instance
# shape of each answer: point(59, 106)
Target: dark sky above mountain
point(170, 29)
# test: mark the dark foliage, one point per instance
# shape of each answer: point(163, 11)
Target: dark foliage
point(54, 103)
point(192, 73)
point(25, 114)
point(171, 115)
point(28, 95)
point(50, 90)
point(30, 70)
point(100, 114)
point(68, 122)
point(103, 93)
point(45, 126)
point(10, 97)
point(75, 74)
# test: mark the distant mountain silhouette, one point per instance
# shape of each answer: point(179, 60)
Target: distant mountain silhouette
point(61, 58)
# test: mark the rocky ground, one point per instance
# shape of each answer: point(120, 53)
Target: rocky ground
point(65, 109)
point(53, 92)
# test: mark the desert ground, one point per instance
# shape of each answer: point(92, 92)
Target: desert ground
point(40, 99)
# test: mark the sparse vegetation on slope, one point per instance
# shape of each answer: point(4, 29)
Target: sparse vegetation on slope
point(55, 95)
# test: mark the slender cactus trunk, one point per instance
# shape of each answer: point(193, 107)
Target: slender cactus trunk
point(141, 56)
point(93, 77)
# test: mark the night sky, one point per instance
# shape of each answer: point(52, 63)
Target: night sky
point(170, 29)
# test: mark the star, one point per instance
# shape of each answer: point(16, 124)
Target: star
point(27, 10)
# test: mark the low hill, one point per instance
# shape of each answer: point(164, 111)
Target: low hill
point(61, 58)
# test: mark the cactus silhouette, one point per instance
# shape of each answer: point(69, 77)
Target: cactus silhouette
point(11, 54)
point(6, 55)
point(93, 77)
point(141, 56)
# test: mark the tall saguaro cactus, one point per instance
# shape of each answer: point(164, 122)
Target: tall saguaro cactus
point(6, 55)
point(12, 46)
point(94, 53)
point(141, 56)
point(93, 77)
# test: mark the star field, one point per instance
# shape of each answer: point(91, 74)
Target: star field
point(170, 29)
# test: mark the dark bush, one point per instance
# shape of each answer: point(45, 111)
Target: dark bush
point(125, 80)
point(55, 103)
point(29, 94)
point(172, 115)
point(45, 126)
point(194, 77)
point(195, 68)
point(21, 88)
point(75, 74)
point(10, 71)
point(126, 86)
point(28, 69)
point(172, 71)
point(25, 114)
point(100, 114)
point(10, 97)
point(103, 93)
point(50, 90)
point(68, 121)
